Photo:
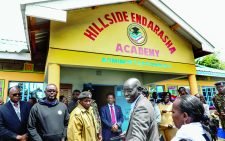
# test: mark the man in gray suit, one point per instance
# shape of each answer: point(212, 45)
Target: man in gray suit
point(142, 125)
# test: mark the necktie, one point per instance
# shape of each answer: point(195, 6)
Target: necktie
point(17, 110)
point(113, 117)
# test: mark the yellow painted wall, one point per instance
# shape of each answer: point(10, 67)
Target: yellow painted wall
point(72, 34)
point(19, 76)
point(84, 59)
point(70, 45)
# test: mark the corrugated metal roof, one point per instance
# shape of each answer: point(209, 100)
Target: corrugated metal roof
point(206, 71)
point(7, 45)
point(13, 42)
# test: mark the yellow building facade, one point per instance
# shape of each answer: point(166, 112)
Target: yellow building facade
point(109, 38)
point(106, 43)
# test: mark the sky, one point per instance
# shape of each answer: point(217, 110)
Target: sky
point(206, 16)
point(12, 25)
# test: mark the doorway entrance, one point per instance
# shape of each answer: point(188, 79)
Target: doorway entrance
point(99, 95)
point(100, 92)
point(66, 90)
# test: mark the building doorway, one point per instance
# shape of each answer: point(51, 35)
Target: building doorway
point(66, 90)
point(100, 92)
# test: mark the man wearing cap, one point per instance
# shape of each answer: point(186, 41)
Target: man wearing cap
point(219, 102)
point(88, 87)
point(82, 124)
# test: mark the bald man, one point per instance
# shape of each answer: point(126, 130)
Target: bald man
point(142, 125)
point(13, 117)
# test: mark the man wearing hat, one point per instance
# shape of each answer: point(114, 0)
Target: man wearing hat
point(82, 124)
point(88, 87)
point(219, 102)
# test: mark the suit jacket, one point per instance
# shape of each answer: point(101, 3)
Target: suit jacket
point(10, 125)
point(106, 121)
point(142, 125)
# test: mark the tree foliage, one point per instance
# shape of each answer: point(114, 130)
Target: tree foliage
point(211, 61)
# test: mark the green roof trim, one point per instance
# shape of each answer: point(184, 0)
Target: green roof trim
point(206, 71)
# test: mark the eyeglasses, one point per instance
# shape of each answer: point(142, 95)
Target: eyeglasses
point(16, 94)
point(49, 91)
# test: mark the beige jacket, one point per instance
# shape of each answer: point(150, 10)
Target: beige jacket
point(82, 125)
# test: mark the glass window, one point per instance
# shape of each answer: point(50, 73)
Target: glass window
point(204, 93)
point(173, 91)
point(160, 88)
point(152, 88)
point(29, 89)
point(209, 92)
point(120, 100)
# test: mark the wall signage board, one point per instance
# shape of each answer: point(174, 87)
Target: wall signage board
point(122, 29)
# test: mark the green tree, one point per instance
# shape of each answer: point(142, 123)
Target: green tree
point(211, 61)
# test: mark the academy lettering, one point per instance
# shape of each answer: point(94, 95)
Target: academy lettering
point(109, 19)
point(134, 50)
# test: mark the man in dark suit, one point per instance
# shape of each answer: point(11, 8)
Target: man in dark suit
point(112, 119)
point(142, 125)
point(13, 117)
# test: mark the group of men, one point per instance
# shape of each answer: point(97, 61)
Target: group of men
point(142, 125)
point(49, 119)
